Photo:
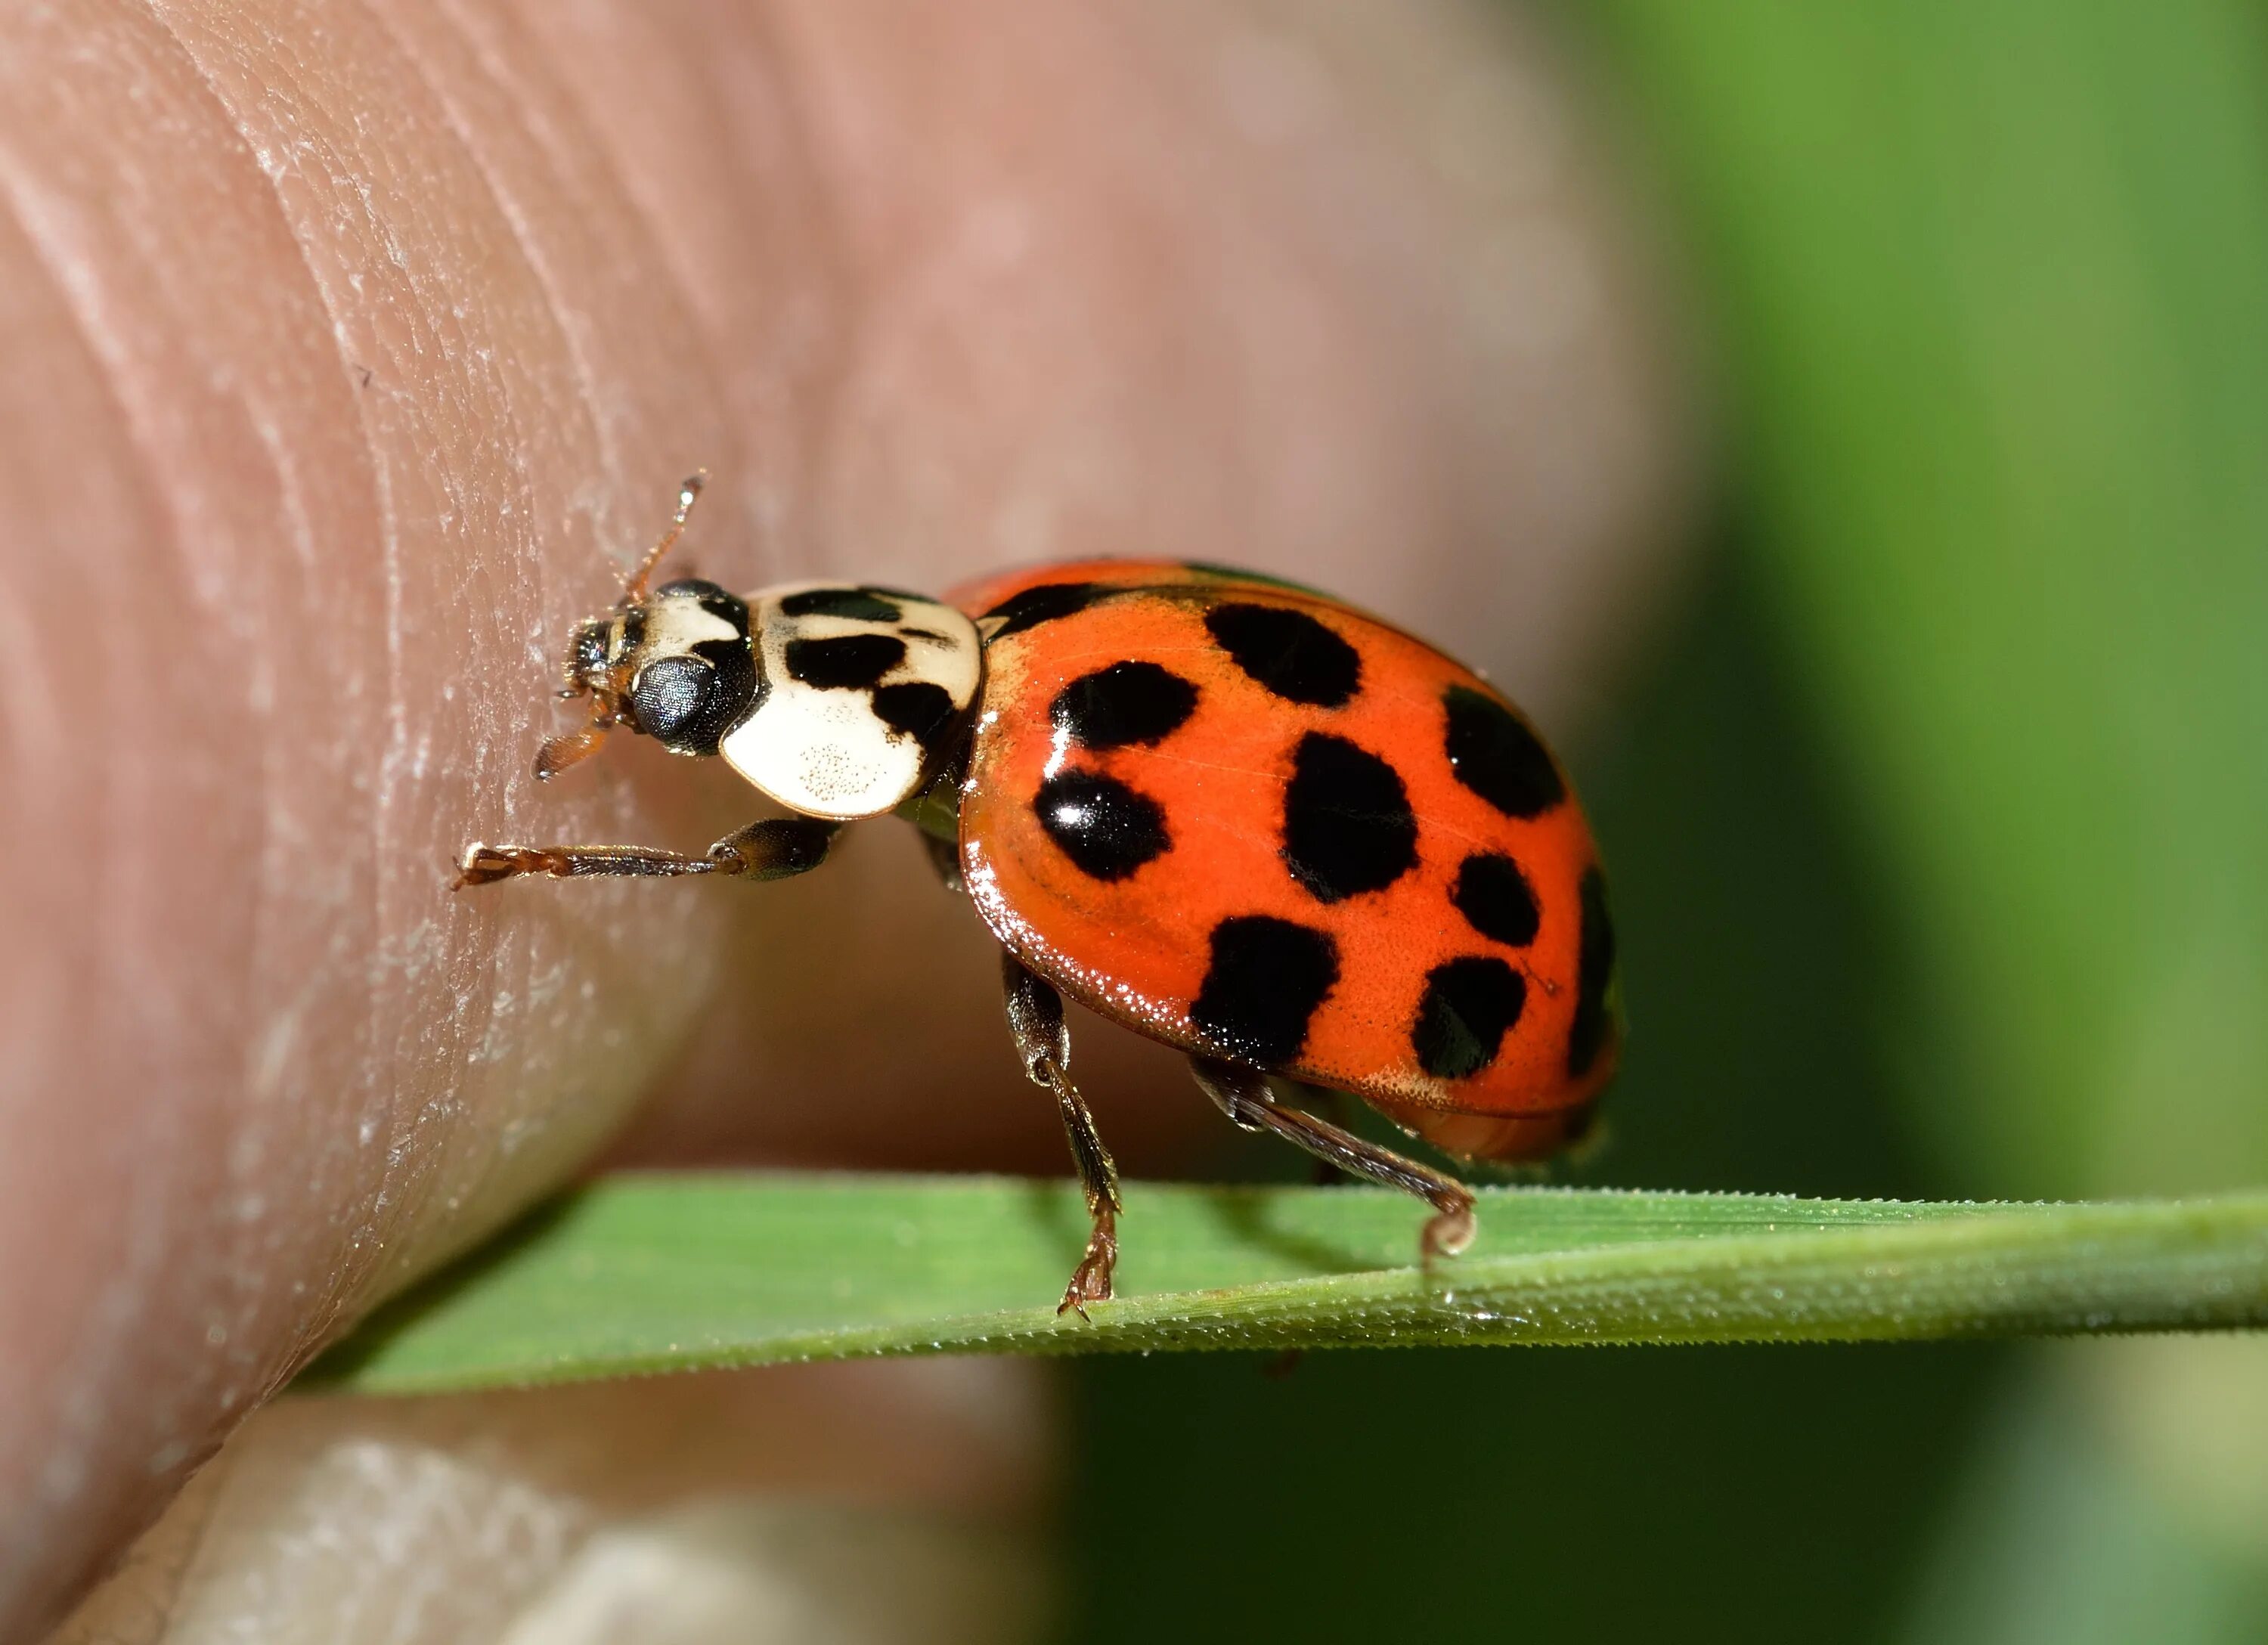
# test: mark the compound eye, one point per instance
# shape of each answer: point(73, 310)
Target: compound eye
point(674, 701)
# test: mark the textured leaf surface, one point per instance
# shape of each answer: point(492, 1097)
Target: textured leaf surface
point(656, 1274)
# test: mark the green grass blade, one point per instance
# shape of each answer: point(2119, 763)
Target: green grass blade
point(679, 1273)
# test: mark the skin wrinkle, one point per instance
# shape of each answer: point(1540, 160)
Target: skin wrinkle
point(780, 390)
point(502, 193)
point(266, 898)
point(524, 241)
point(102, 1351)
point(585, 400)
point(409, 1181)
point(152, 1208)
point(96, 1347)
point(345, 1281)
point(265, 1074)
point(668, 301)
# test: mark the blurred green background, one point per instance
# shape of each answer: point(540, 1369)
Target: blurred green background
point(1938, 825)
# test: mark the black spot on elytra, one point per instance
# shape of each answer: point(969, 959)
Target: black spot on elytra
point(1106, 828)
point(1595, 976)
point(1043, 604)
point(848, 662)
point(1126, 703)
point(919, 709)
point(1347, 823)
point(864, 605)
point(1495, 899)
point(1288, 652)
point(1265, 980)
point(1494, 754)
point(1467, 1007)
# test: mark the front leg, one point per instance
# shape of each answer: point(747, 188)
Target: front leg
point(1036, 1017)
point(772, 850)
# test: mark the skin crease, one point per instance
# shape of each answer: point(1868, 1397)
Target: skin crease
point(351, 351)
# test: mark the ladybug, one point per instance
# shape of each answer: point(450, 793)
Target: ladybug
point(1229, 812)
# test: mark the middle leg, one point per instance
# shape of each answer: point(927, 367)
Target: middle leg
point(1036, 1017)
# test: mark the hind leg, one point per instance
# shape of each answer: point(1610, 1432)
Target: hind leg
point(1243, 1096)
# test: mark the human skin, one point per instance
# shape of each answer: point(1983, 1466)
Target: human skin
point(351, 352)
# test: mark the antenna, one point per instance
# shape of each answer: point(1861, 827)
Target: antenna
point(634, 589)
point(572, 748)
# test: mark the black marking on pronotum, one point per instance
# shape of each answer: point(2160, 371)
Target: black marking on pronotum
point(1122, 705)
point(929, 634)
point(1494, 754)
point(1467, 1007)
point(1495, 898)
point(1595, 978)
point(738, 688)
point(1265, 981)
point(1347, 823)
point(921, 710)
point(863, 605)
point(847, 662)
point(1290, 654)
point(1106, 828)
point(1043, 604)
